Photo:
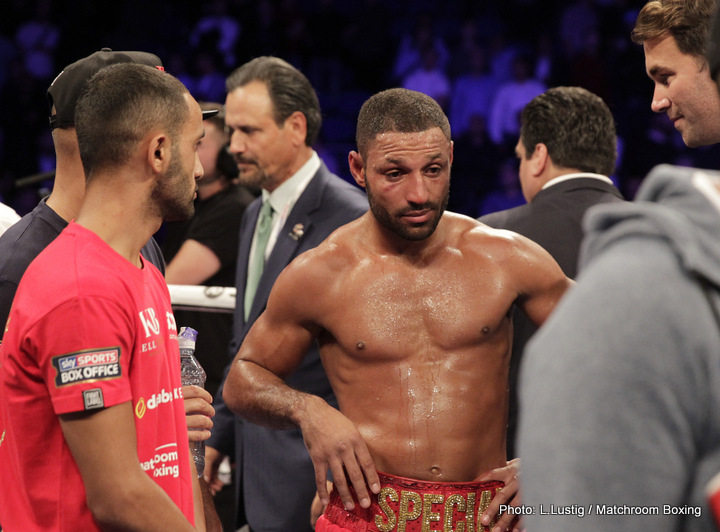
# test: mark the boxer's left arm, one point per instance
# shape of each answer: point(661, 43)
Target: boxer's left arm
point(539, 280)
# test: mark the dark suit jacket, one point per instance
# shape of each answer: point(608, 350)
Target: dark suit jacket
point(554, 220)
point(275, 473)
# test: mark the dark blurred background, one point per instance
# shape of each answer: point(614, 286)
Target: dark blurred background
point(480, 59)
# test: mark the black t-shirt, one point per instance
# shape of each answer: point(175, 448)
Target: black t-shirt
point(24, 241)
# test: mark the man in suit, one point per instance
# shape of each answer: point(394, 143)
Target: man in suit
point(567, 150)
point(274, 118)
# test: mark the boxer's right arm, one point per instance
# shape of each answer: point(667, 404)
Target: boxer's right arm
point(334, 443)
point(332, 439)
point(272, 350)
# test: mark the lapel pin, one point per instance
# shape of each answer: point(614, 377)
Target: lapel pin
point(298, 231)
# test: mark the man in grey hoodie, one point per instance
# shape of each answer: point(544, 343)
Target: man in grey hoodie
point(621, 388)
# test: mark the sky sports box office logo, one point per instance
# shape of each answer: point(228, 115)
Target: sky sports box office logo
point(87, 366)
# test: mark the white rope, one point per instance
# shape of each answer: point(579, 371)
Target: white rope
point(203, 298)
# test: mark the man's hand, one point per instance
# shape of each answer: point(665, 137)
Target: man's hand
point(213, 459)
point(317, 508)
point(198, 411)
point(510, 494)
point(334, 443)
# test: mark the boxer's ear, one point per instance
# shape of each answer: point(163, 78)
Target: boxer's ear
point(357, 167)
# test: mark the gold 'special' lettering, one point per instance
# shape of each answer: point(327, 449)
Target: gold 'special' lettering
point(470, 513)
point(413, 505)
point(453, 500)
point(385, 494)
point(485, 498)
point(427, 514)
point(406, 498)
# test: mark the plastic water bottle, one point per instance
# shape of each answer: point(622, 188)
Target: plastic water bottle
point(191, 372)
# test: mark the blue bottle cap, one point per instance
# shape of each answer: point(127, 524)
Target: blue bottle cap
point(189, 333)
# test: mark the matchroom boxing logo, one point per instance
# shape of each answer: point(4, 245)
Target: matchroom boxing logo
point(164, 463)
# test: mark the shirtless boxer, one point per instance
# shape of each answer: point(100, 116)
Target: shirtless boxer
point(411, 308)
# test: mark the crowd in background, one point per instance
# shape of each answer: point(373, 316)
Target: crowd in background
point(481, 60)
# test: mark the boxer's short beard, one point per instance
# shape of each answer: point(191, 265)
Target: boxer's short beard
point(394, 223)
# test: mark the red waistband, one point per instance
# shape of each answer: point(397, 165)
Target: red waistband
point(409, 505)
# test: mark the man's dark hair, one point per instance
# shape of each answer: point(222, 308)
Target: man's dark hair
point(576, 126)
point(713, 47)
point(120, 105)
point(288, 88)
point(400, 110)
point(687, 21)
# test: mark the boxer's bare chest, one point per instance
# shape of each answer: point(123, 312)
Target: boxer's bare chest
point(388, 307)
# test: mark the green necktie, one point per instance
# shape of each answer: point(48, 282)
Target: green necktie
point(256, 267)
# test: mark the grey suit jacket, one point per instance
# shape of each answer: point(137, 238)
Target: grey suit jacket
point(275, 475)
point(554, 220)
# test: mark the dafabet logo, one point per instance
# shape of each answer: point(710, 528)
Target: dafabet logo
point(156, 400)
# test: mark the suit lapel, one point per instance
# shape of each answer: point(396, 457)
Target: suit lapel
point(287, 247)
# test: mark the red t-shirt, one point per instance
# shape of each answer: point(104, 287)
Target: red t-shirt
point(87, 330)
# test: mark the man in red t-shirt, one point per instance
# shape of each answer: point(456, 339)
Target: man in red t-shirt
point(92, 423)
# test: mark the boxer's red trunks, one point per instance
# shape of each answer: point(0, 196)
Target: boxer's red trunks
point(407, 505)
